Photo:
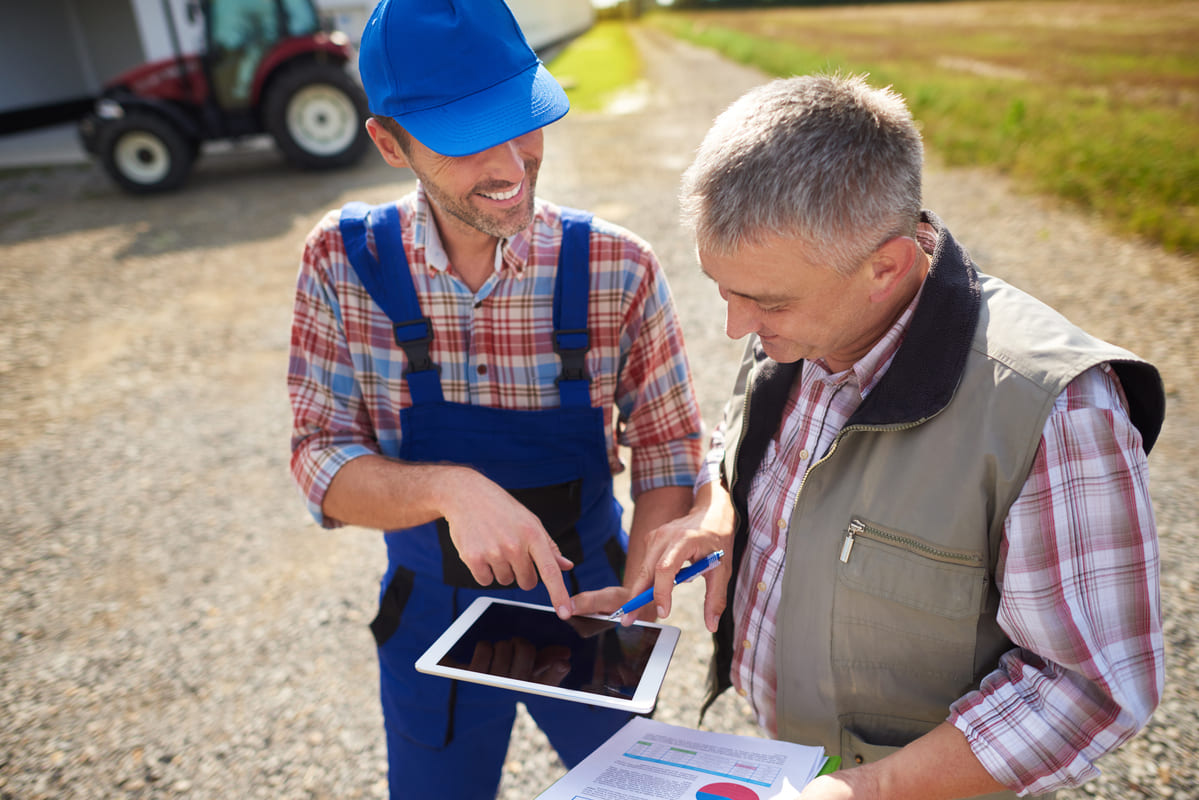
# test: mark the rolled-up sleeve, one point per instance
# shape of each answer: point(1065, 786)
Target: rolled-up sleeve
point(659, 414)
point(713, 463)
point(330, 422)
point(1079, 585)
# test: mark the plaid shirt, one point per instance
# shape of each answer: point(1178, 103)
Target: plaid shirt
point(1078, 572)
point(494, 347)
point(812, 417)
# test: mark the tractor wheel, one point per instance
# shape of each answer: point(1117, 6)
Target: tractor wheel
point(144, 153)
point(317, 115)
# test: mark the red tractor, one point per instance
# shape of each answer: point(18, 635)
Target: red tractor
point(267, 66)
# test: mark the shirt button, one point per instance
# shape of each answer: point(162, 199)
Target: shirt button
point(803, 455)
point(745, 644)
point(742, 692)
point(481, 369)
point(761, 586)
point(782, 523)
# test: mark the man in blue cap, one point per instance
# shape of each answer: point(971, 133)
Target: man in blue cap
point(464, 364)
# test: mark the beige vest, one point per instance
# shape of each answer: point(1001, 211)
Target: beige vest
point(889, 582)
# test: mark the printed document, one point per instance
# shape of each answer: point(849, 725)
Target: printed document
point(648, 760)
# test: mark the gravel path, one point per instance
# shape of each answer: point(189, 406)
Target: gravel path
point(171, 622)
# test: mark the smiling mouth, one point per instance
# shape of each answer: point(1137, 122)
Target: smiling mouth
point(508, 195)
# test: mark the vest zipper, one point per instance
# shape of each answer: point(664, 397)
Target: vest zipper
point(855, 527)
point(858, 528)
point(847, 546)
point(832, 448)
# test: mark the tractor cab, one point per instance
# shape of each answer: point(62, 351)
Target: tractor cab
point(241, 34)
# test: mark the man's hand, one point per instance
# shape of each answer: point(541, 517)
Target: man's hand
point(708, 527)
point(498, 538)
point(604, 601)
point(937, 766)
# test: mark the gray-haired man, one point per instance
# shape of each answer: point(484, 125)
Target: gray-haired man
point(945, 562)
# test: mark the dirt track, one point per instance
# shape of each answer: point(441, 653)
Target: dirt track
point(173, 624)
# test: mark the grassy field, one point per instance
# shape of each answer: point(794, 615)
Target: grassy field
point(1093, 102)
point(597, 66)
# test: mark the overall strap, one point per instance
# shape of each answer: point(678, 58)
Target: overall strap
point(388, 280)
point(571, 295)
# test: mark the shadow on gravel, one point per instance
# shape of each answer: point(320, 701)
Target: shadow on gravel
point(231, 197)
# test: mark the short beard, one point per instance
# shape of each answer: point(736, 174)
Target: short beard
point(502, 227)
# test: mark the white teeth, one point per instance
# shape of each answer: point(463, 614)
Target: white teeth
point(503, 195)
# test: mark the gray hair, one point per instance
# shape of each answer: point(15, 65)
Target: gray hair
point(824, 159)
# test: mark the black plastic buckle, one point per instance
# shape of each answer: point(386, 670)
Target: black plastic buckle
point(574, 359)
point(416, 348)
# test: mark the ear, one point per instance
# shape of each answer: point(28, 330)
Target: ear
point(892, 264)
point(386, 143)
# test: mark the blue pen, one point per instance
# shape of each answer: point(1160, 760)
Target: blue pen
point(685, 574)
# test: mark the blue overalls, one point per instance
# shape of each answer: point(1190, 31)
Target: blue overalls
point(445, 738)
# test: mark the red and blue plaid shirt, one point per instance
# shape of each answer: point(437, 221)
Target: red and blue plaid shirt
point(494, 347)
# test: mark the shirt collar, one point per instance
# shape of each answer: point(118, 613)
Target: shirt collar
point(511, 252)
point(868, 370)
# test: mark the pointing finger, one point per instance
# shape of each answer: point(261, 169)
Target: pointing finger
point(546, 560)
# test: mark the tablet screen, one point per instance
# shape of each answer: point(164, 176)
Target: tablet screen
point(528, 643)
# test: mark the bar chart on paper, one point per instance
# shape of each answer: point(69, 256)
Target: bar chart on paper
point(760, 770)
point(725, 791)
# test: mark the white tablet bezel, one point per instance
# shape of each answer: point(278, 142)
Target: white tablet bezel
point(642, 701)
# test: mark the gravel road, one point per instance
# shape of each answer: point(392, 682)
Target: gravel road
point(172, 624)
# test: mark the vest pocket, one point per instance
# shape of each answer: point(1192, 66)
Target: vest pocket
point(866, 738)
point(897, 566)
point(905, 618)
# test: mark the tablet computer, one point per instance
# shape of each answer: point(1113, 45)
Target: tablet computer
point(526, 647)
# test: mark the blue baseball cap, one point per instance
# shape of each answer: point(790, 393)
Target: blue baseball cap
point(456, 74)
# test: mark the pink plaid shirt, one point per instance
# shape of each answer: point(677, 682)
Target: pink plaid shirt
point(1078, 574)
point(494, 348)
point(813, 415)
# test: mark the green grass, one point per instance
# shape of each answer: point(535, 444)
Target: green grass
point(1097, 107)
point(597, 66)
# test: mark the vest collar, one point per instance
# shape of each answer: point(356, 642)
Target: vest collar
point(929, 364)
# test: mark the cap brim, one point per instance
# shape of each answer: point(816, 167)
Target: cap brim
point(525, 102)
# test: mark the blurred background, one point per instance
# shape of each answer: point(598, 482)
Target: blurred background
point(172, 624)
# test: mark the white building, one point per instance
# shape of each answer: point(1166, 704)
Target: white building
point(58, 54)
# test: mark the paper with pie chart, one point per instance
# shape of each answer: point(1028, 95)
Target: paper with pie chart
point(650, 760)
